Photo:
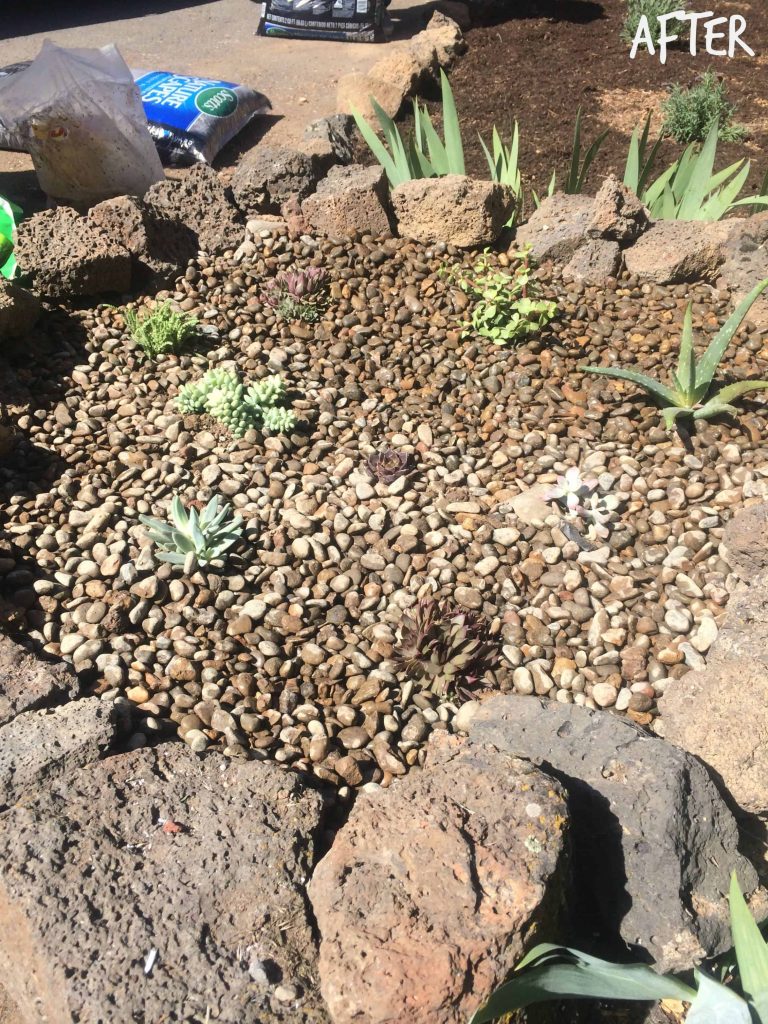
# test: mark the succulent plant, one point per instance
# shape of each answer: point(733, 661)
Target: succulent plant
point(296, 294)
point(222, 394)
point(570, 488)
point(442, 646)
point(206, 536)
point(388, 464)
point(162, 330)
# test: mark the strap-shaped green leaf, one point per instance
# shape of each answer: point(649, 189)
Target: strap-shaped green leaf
point(660, 391)
point(179, 513)
point(751, 951)
point(451, 129)
point(671, 413)
point(716, 1004)
point(686, 365)
point(707, 365)
point(377, 147)
point(741, 387)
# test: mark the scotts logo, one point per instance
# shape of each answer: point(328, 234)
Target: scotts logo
point(218, 101)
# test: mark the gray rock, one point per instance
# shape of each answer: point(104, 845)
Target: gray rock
point(428, 893)
point(38, 746)
point(593, 262)
point(745, 539)
point(455, 209)
point(559, 226)
point(19, 310)
point(271, 176)
point(63, 256)
point(619, 215)
point(160, 247)
point(743, 635)
point(201, 203)
point(673, 251)
point(653, 842)
point(94, 887)
point(349, 200)
point(340, 132)
point(28, 683)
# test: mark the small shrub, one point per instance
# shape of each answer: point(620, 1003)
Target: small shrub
point(690, 113)
point(507, 307)
point(297, 294)
point(222, 394)
point(651, 9)
point(163, 330)
point(192, 537)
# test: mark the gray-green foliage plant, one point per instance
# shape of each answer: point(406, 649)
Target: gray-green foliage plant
point(162, 330)
point(425, 154)
point(652, 9)
point(690, 188)
point(691, 384)
point(222, 394)
point(556, 972)
point(507, 308)
point(689, 113)
point(504, 165)
point(203, 537)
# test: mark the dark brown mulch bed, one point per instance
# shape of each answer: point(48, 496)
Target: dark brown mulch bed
point(539, 61)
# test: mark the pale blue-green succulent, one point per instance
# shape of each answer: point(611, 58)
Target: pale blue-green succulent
point(207, 536)
point(222, 394)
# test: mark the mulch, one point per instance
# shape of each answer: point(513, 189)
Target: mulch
point(537, 61)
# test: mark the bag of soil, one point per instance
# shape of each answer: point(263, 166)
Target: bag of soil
point(354, 21)
point(189, 118)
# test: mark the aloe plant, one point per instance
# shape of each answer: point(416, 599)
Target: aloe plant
point(206, 536)
point(556, 972)
point(425, 155)
point(693, 379)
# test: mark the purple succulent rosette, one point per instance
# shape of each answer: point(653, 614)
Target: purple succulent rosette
point(389, 465)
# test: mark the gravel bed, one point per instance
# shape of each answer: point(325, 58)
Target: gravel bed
point(286, 654)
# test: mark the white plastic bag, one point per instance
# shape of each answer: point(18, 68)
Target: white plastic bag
point(82, 118)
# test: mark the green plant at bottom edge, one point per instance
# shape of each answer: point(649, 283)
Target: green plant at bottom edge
point(693, 379)
point(559, 972)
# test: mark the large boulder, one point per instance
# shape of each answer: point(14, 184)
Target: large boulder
point(271, 176)
point(456, 209)
point(19, 310)
point(154, 885)
point(201, 203)
point(63, 255)
point(160, 247)
point(675, 251)
point(349, 200)
point(558, 227)
point(433, 888)
point(653, 842)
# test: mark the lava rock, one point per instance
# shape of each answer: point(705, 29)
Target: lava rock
point(744, 540)
point(449, 869)
point(673, 251)
point(28, 682)
point(348, 200)
point(271, 176)
point(193, 893)
point(653, 842)
point(19, 310)
point(340, 132)
point(64, 255)
point(619, 215)
point(201, 203)
point(558, 227)
point(593, 262)
point(455, 209)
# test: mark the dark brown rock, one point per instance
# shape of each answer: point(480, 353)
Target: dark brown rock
point(92, 881)
point(19, 310)
point(449, 870)
point(455, 209)
point(350, 199)
point(63, 255)
point(201, 203)
point(593, 262)
point(559, 226)
point(271, 175)
point(28, 683)
point(653, 841)
point(619, 215)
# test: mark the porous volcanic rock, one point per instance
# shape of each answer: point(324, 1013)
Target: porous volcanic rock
point(432, 888)
point(558, 227)
point(743, 634)
point(201, 203)
point(159, 246)
point(272, 175)
point(19, 310)
point(155, 883)
point(653, 842)
point(744, 539)
point(64, 255)
point(674, 251)
point(456, 209)
point(339, 131)
point(350, 199)
point(592, 262)
point(27, 682)
point(37, 746)
point(619, 215)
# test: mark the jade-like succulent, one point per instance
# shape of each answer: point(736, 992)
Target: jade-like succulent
point(222, 394)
